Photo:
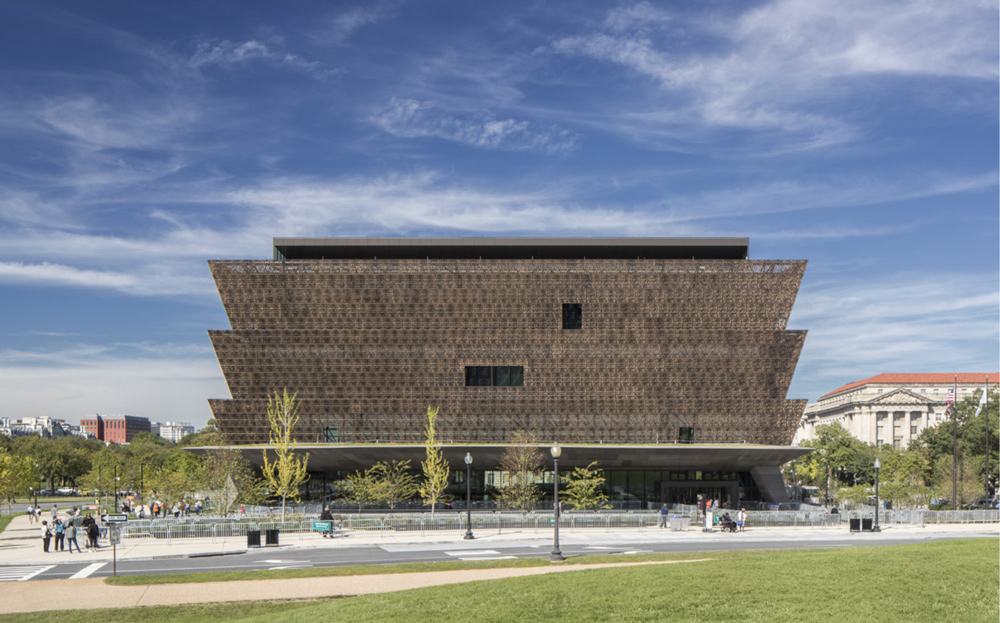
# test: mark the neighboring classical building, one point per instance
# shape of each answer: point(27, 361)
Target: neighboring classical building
point(890, 408)
point(666, 360)
point(115, 428)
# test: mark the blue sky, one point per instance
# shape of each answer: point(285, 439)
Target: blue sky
point(142, 139)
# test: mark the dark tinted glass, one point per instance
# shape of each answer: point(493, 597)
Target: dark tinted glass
point(572, 316)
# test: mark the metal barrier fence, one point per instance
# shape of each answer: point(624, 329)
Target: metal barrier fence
point(300, 525)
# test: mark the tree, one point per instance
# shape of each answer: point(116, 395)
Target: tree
point(287, 472)
point(16, 475)
point(223, 464)
point(521, 464)
point(970, 487)
point(585, 489)
point(393, 482)
point(435, 468)
point(359, 488)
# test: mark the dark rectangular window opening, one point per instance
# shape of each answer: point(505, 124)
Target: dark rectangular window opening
point(331, 434)
point(572, 315)
point(486, 376)
point(686, 434)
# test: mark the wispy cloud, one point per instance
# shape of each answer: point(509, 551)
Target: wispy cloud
point(930, 322)
point(785, 64)
point(230, 53)
point(343, 25)
point(412, 119)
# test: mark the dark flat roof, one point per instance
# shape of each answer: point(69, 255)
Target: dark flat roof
point(511, 248)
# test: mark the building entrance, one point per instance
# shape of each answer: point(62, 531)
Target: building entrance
point(687, 491)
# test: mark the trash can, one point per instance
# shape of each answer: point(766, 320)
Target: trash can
point(866, 524)
point(677, 523)
point(270, 536)
point(855, 524)
point(253, 538)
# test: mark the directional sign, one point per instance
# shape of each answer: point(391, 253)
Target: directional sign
point(120, 518)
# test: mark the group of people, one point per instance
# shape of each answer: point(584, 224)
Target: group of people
point(64, 533)
point(739, 525)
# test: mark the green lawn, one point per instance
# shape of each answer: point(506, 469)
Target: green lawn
point(5, 521)
point(932, 582)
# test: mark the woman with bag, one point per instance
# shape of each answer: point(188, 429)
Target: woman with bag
point(46, 536)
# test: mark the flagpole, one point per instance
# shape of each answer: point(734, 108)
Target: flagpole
point(954, 436)
point(986, 394)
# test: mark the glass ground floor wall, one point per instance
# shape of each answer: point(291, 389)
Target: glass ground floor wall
point(625, 489)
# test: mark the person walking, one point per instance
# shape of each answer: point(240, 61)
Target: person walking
point(31, 513)
point(663, 515)
point(71, 537)
point(741, 519)
point(55, 512)
point(60, 535)
point(46, 536)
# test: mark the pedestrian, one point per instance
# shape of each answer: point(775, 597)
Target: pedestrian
point(187, 509)
point(46, 536)
point(663, 515)
point(92, 531)
point(177, 510)
point(31, 513)
point(60, 535)
point(741, 519)
point(55, 512)
point(71, 538)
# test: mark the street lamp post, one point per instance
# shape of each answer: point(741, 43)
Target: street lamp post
point(116, 488)
point(875, 527)
point(556, 555)
point(468, 497)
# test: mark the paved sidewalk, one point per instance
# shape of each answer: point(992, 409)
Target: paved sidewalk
point(21, 545)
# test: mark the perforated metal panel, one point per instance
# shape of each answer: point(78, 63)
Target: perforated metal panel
point(368, 344)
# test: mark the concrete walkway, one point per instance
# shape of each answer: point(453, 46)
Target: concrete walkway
point(20, 544)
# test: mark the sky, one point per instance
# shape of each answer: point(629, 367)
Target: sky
point(140, 139)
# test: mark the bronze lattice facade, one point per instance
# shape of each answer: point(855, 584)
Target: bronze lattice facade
point(635, 341)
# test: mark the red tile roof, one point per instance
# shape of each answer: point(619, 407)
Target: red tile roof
point(921, 378)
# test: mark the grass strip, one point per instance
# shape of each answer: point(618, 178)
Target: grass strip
point(5, 521)
point(930, 582)
point(415, 567)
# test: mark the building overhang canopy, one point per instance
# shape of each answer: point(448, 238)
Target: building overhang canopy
point(738, 458)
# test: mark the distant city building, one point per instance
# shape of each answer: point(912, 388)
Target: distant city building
point(47, 427)
point(890, 408)
point(115, 428)
point(173, 431)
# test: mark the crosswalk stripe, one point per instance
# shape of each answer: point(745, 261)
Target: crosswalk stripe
point(488, 558)
point(87, 571)
point(21, 574)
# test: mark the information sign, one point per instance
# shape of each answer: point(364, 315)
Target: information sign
point(119, 518)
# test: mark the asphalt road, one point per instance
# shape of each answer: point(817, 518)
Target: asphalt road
point(297, 558)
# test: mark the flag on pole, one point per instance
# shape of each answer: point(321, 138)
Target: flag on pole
point(950, 400)
point(982, 400)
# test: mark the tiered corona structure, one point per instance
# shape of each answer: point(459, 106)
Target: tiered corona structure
point(603, 341)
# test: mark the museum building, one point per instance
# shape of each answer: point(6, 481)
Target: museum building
point(666, 360)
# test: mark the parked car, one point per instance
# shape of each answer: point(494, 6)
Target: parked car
point(66, 491)
point(985, 504)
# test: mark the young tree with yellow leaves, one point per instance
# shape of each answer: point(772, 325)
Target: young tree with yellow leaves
point(435, 468)
point(286, 473)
